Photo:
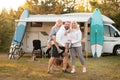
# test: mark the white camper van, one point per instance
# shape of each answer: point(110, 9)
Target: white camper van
point(39, 27)
point(111, 40)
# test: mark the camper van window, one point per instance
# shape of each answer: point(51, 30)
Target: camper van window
point(81, 25)
point(107, 31)
point(112, 31)
point(44, 33)
point(36, 24)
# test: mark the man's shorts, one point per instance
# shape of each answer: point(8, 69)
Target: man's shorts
point(54, 51)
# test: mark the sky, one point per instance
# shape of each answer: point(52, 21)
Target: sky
point(8, 4)
point(14, 4)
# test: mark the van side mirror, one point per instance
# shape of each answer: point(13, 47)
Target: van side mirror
point(116, 34)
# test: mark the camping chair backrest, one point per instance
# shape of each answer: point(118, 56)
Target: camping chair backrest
point(36, 44)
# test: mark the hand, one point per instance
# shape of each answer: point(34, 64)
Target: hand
point(48, 45)
point(65, 33)
point(68, 41)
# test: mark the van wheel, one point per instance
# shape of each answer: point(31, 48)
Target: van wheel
point(116, 50)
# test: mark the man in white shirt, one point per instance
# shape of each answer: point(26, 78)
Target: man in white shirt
point(62, 39)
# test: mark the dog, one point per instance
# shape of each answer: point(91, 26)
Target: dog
point(58, 65)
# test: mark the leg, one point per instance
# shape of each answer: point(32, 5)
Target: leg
point(66, 47)
point(50, 63)
point(65, 62)
point(52, 59)
point(81, 57)
point(72, 51)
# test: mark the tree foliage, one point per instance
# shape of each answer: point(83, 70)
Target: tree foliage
point(44, 7)
point(6, 29)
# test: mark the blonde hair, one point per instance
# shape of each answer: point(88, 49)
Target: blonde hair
point(76, 24)
point(58, 22)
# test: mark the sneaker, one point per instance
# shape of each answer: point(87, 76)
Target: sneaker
point(73, 71)
point(49, 72)
point(84, 69)
point(65, 71)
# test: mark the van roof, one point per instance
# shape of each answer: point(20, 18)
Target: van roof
point(79, 17)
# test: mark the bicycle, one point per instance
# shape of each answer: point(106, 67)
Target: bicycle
point(15, 51)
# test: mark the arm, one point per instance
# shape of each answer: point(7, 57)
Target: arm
point(52, 32)
point(79, 37)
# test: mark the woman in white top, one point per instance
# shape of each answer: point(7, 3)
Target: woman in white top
point(75, 37)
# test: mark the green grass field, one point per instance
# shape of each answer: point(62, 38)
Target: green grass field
point(104, 68)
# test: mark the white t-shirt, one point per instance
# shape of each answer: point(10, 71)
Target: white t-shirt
point(61, 38)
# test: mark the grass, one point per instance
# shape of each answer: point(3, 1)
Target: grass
point(104, 68)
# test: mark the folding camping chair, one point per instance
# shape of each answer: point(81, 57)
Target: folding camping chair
point(37, 52)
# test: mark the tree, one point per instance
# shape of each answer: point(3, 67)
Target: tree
point(4, 29)
point(7, 28)
point(68, 7)
point(44, 7)
point(116, 18)
point(19, 12)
